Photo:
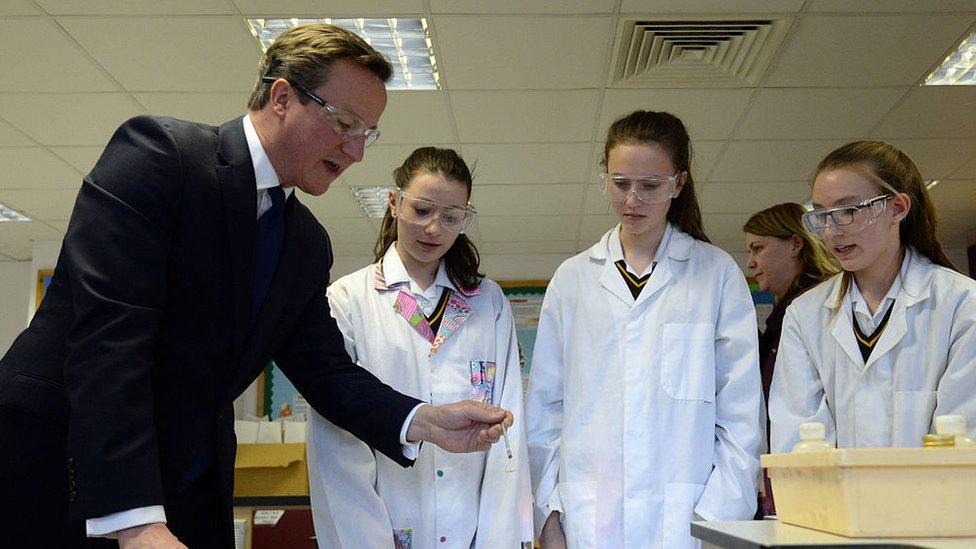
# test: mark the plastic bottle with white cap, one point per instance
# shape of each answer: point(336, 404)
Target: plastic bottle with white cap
point(954, 426)
point(812, 438)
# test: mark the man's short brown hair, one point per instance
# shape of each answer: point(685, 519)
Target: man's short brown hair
point(304, 54)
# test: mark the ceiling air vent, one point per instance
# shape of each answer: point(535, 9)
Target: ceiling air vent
point(695, 53)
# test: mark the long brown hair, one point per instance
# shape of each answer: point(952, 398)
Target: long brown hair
point(669, 132)
point(892, 166)
point(462, 260)
point(785, 221)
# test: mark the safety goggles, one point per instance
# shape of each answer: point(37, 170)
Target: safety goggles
point(340, 120)
point(649, 189)
point(421, 211)
point(847, 219)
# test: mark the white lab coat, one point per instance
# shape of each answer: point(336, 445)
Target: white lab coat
point(641, 413)
point(923, 365)
point(359, 497)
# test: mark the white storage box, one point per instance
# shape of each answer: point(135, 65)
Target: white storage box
point(877, 492)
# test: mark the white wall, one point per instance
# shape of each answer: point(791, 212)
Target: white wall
point(15, 292)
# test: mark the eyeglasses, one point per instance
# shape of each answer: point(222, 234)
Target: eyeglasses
point(649, 189)
point(421, 211)
point(342, 122)
point(848, 219)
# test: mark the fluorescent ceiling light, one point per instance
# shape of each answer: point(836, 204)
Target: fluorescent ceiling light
point(373, 200)
point(405, 43)
point(959, 68)
point(7, 214)
point(930, 184)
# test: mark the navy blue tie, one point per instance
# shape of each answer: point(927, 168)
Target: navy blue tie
point(267, 247)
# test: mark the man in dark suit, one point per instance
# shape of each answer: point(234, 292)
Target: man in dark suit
point(187, 265)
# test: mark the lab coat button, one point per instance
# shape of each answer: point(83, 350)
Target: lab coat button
point(440, 473)
point(443, 539)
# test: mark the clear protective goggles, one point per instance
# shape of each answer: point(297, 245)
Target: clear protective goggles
point(421, 211)
point(847, 219)
point(649, 189)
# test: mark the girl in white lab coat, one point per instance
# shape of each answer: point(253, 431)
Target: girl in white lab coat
point(645, 405)
point(880, 349)
point(426, 322)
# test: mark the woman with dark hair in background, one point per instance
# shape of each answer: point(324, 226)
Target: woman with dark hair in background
point(426, 322)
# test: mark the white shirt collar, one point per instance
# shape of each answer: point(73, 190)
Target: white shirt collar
point(264, 172)
point(867, 321)
point(615, 250)
point(394, 272)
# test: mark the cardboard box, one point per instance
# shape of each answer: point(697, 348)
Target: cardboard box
point(877, 492)
point(270, 470)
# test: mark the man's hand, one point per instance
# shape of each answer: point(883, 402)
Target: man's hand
point(466, 426)
point(552, 536)
point(149, 536)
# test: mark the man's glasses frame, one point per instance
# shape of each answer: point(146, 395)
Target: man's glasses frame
point(343, 122)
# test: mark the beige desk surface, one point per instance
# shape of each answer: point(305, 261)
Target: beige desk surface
point(751, 534)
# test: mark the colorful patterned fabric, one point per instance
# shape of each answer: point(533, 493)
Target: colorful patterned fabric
point(454, 316)
point(482, 380)
point(402, 538)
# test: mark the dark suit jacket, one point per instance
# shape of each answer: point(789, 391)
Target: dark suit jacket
point(144, 337)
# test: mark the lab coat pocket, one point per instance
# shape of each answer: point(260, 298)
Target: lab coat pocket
point(679, 509)
point(482, 380)
point(579, 513)
point(911, 417)
point(688, 361)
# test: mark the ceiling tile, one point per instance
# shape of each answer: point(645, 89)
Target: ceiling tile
point(750, 197)
point(527, 116)
point(892, 6)
point(515, 267)
point(11, 137)
point(209, 108)
point(225, 55)
point(937, 158)
point(725, 227)
point(507, 164)
point(527, 228)
point(43, 204)
point(829, 51)
point(710, 6)
point(771, 160)
point(703, 157)
point(955, 195)
point(18, 7)
point(533, 200)
point(137, 7)
point(38, 57)
point(968, 170)
point(493, 52)
point(707, 114)
point(330, 8)
point(531, 247)
point(376, 170)
point(69, 119)
point(35, 168)
point(338, 203)
point(352, 236)
point(346, 264)
point(417, 117)
point(16, 253)
point(932, 111)
point(593, 227)
point(957, 229)
point(82, 159)
point(816, 113)
point(60, 226)
point(564, 7)
point(22, 233)
point(594, 202)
